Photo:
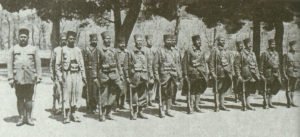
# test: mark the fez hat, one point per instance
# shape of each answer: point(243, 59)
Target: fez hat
point(219, 37)
point(270, 41)
point(93, 35)
point(196, 37)
point(137, 36)
point(246, 41)
point(71, 33)
point(292, 42)
point(105, 34)
point(24, 31)
point(167, 36)
point(149, 36)
point(121, 40)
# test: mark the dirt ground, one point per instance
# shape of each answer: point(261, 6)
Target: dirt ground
point(279, 122)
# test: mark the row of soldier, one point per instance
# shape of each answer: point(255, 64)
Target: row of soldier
point(106, 77)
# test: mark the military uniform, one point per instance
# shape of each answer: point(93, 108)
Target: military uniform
point(178, 62)
point(70, 71)
point(246, 69)
point(291, 74)
point(122, 95)
point(166, 71)
point(110, 75)
point(24, 70)
point(234, 75)
point(90, 57)
point(270, 70)
point(220, 66)
point(194, 68)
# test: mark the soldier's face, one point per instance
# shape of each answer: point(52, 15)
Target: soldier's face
point(272, 45)
point(23, 39)
point(197, 43)
point(93, 42)
point(71, 40)
point(107, 40)
point(63, 42)
point(239, 47)
point(149, 43)
point(292, 47)
point(138, 42)
point(168, 42)
point(174, 42)
point(122, 46)
point(221, 42)
point(248, 46)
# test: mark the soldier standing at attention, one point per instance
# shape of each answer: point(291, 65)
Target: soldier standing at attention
point(90, 57)
point(166, 73)
point(270, 74)
point(246, 69)
point(121, 53)
point(57, 87)
point(195, 72)
point(152, 86)
point(24, 72)
point(221, 71)
point(138, 72)
point(178, 58)
point(290, 73)
point(110, 75)
point(239, 47)
point(71, 73)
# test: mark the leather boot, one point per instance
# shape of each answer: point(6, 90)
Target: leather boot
point(292, 99)
point(190, 103)
point(288, 99)
point(102, 117)
point(21, 109)
point(28, 106)
point(249, 106)
point(270, 101)
point(243, 101)
point(161, 110)
point(141, 114)
point(222, 100)
point(265, 103)
point(216, 100)
point(108, 113)
point(168, 108)
point(196, 107)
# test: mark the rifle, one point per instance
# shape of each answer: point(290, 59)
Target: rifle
point(189, 107)
point(265, 94)
point(130, 101)
point(160, 100)
point(99, 102)
point(62, 89)
point(216, 95)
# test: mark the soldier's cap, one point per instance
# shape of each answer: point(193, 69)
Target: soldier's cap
point(24, 31)
point(173, 37)
point(63, 36)
point(196, 37)
point(246, 40)
point(270, 41)
point(238, 42)
point(220, 37)
point(71, 33)
point(292, 42)
point(105, 34)
point(149, 36)
point(93, 35)
point(168, 36)
point(121, 40)
point(137, 36)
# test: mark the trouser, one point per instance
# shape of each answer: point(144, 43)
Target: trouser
point(24, 95)
point(291, 85)
point(56, 94)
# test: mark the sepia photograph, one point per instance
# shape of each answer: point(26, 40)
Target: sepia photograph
point(149, 68)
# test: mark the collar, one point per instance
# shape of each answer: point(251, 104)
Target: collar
point(105, 48)
point(221, 48)
point(195, 48)
point(136, 50)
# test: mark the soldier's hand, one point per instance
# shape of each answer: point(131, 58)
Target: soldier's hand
point(128, 80)
point(11, 83)
point(96, 82)
point(38, 80)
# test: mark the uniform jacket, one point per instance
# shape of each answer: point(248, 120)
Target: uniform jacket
point(289, 65)
point(137, 65)
point(178, 60)
point(219, 62)
point(109, 66)
point(269, 64)
point(121, 57)
point(24, 64)
point(70, 59)
point(245, 65)
point(90, 58)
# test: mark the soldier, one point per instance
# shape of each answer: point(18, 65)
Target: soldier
point(221, 71)
point(121, 53)
point(90, 58)
point(71, 73)
point(138, 72)
point(270, 74)
point(178, 58)
point(239, 48)
point(152, 86)
point(110, 75)
point(24, 72)
point(195, 72)
point(56, 87)
point(166, 73)
point(247, 73)
point(290, 73)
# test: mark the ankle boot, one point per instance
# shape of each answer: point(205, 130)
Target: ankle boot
point(288, 99)
point(141, 114)
point(161, 110)
point(196, 107)
point(108, 113)
point(222, 100)
point(216, 101)
point(265, 102)
point(249, 104)
point(168, 108)
point(28, 106)
point(270, 101)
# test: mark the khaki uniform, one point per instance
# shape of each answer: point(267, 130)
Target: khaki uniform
point(152, 86)
point(56, 86)
point(122, 95)
point(178, 60)
point(90, 58)
point(70, 68)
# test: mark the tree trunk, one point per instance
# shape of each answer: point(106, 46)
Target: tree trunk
point(8, 37)
point(117, 20)
point(279, 31)
point(256, 38)
point(55, 33)
point(131, 18)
